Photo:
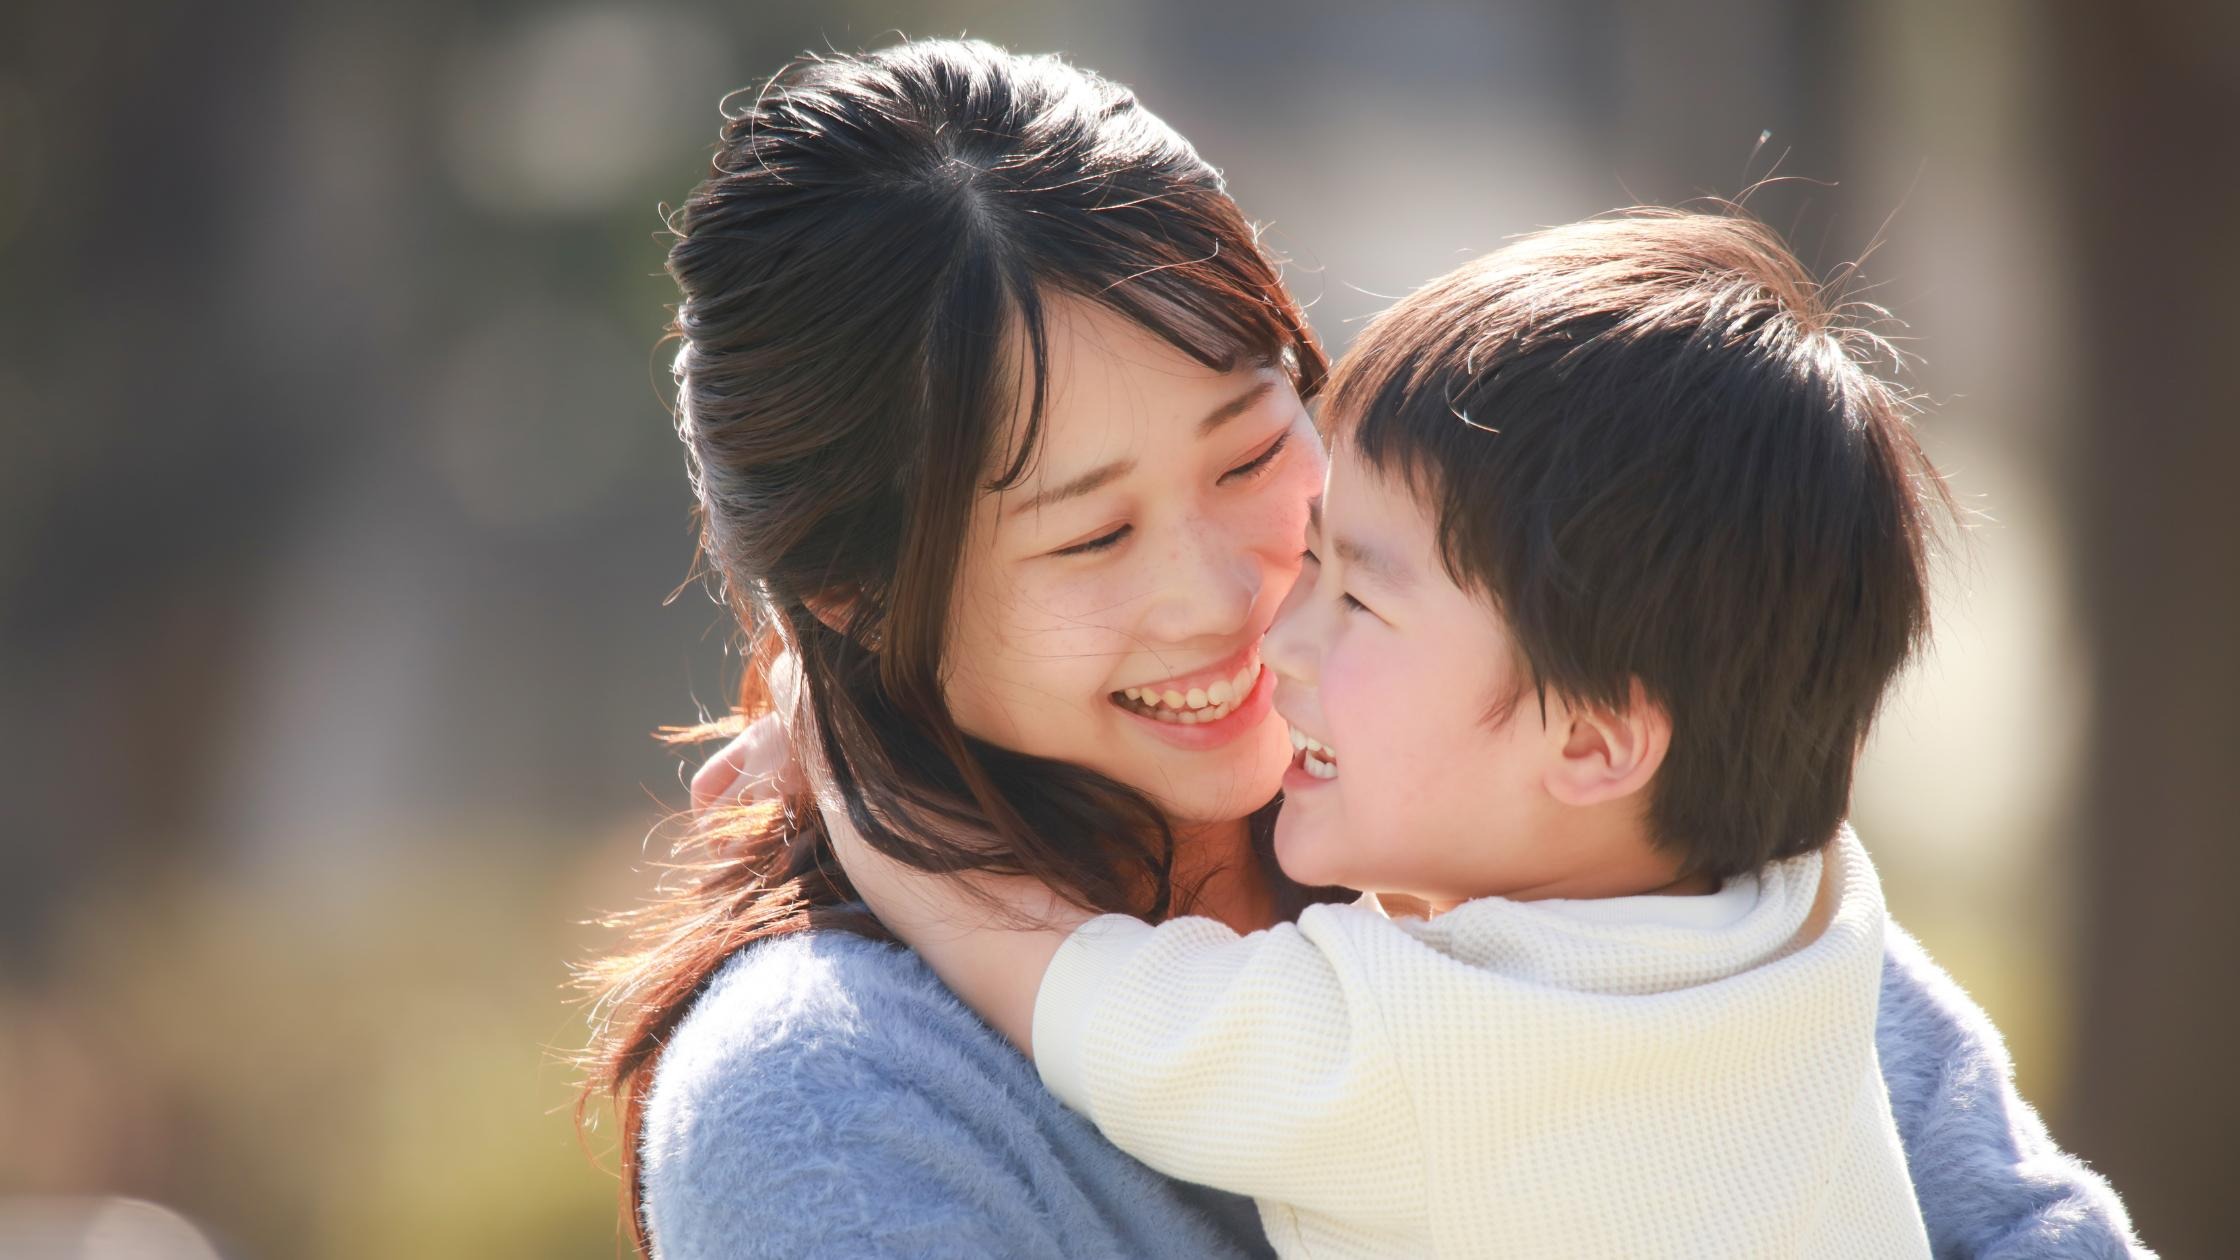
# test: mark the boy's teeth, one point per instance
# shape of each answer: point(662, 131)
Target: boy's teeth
point(1319, 758)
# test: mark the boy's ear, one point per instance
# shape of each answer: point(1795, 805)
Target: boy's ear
point(1602, 755)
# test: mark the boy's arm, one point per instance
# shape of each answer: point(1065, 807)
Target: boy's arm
point(1256, 1064)
point(1991, 1182)
point(989, 938)
point(1247, 1064)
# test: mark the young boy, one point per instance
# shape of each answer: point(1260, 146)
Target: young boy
point(1620, 547)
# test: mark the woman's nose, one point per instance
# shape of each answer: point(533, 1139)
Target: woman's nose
point(1209, 586)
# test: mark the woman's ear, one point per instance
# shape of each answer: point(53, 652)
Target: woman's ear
point(836, 609)
point(1604, 755)
point(830, 607)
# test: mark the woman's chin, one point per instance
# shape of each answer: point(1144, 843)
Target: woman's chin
point(1219, 785)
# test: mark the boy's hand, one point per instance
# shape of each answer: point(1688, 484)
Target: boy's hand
point(756, 766)
point(989, 938)
point(759, 764)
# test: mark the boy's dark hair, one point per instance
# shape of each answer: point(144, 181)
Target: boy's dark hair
point(1661, 451)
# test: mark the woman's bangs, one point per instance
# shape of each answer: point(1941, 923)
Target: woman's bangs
point(1222, 321)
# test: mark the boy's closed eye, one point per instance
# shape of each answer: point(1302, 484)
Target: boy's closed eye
point(1345, 597)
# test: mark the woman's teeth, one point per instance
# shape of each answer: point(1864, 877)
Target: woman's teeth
point(1316, 757)
point(1198, 704)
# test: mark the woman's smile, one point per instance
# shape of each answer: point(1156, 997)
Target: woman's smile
point(1202, 695)
point(1198, 722)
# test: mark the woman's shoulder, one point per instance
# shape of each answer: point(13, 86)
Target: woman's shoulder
point(795, 1096)
point(827, 1095)
point(1990, 1179)
point(835, 996)
point(811, 1032)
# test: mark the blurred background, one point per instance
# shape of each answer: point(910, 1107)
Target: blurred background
point(340, 513)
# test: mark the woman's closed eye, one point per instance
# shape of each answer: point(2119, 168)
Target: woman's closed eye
point(1101, 542)
point(1259, 463)
point(1246, 471)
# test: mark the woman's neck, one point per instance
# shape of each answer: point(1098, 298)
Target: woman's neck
point(1217, 874)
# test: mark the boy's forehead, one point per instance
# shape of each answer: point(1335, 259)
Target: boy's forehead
point(1366, 494)
point(1371, 522)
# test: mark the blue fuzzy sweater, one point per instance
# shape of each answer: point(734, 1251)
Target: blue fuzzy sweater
point(827, 1097)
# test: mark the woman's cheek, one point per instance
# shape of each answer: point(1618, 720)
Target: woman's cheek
point(1305, 480)
point(1314, 457)
point(1077, 628)
point(1280, 508)
point(1015, 663)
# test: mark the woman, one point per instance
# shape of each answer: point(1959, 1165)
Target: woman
point(995, 413)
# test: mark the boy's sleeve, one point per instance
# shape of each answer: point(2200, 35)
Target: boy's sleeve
point(1258, 1065)
point(1991, 1182)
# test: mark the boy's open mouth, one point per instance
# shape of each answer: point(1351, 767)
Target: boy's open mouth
point(1192, 699)
point(1313, 756)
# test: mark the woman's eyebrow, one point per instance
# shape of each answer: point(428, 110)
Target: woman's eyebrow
point(1087, 483)
point(1233, 408)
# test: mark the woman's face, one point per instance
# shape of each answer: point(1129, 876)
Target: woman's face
point(1110, 606)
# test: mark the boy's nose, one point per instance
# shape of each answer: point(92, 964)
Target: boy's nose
point(1289, 648)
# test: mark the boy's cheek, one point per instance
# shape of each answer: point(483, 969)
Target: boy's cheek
point(1351, 707)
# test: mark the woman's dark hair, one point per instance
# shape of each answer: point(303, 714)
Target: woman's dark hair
point(1663, 452)
point(864, 275)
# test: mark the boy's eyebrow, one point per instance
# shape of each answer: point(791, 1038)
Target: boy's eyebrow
point(1385, 570)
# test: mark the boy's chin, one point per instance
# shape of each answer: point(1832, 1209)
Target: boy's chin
point(1304, 855)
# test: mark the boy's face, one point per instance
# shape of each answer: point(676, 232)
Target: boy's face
point(1381, 658)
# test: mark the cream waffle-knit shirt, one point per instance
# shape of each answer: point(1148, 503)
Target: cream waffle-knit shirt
point(1633, 1077)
